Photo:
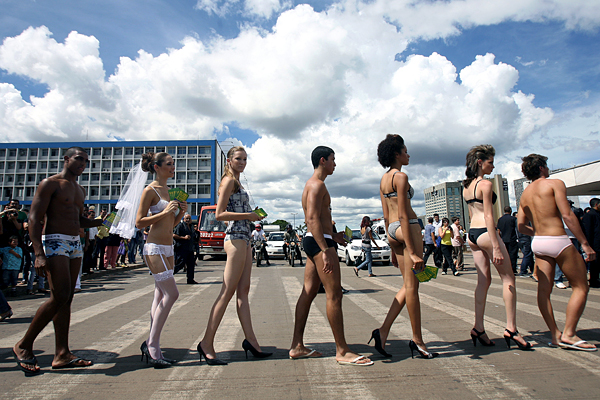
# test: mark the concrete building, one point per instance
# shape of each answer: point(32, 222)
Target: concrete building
point(198, 168)
point(446, 199)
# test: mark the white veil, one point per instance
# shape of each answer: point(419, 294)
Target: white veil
point(129, 202)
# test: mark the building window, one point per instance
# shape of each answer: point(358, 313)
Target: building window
point(53, 152)
point(44, 152)
point(204, 150)
point(10, 165)
point(22, 152)
point(93, 191)
point(33, 152)
point(116, 177)
point(22, 164)
point(96, 152)
point(106, 177)
point(191, 189)
point(204, 163)
point(128, 151)
point(10, 178)
point(106, 164)
point(116, 191)
point(160, 149)
point(30, 178)
point(139, 151)
point(181, 150)
point(171, 150)
point(118, 151)
point(192, 163)
point(204, 189)
point(29, 192)
point(105, 191)
point(193, 150)
point(12, 152)
point(2, 152)
point(181, 163)
point(192, 176)
point(32, 165)
point(53, 165)
point(127, 164)
point(43, 164)
point(85, 177)
point(107, 151)
point(1, 164)
point(8, 193)
point(117, 164)
point(95, 177)
point(20, 178)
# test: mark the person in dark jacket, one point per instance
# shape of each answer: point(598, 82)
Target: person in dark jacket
point(507, 225)
point(591, 227)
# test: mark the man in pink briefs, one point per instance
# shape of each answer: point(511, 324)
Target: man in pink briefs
point(544, 203)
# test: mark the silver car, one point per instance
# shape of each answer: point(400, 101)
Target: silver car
point(353, 250)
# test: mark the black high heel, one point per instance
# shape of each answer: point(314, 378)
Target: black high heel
point(478, 337)
point(519, 344)
point(375, 335)
point(425, 354)
point(258, 354)
point(209, 361)
point(156, 363)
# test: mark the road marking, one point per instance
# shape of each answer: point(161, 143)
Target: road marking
point(487, 383)
point(327, 380)
point(586, 360)
point(196, 382)
point(104, 353)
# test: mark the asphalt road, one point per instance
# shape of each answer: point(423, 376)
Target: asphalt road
point(111, 319)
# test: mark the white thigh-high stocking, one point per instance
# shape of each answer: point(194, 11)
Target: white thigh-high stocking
point(169, 294)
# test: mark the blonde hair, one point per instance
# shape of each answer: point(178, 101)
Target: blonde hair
point(227, 170)
point(482, 152)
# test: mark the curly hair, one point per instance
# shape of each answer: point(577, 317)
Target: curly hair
point(150, 159)
point(531, 165)
point(482, 152)
point(387, 149)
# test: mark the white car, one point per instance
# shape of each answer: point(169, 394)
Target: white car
point(354, 249)
point(275, 244)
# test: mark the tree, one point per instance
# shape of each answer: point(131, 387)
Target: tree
point(301, 229)
point(282, 223)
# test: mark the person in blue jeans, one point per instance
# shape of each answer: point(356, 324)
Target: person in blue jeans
point(367, 238)
point(11, 257)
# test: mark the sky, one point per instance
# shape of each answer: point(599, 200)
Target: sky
point(282, 77)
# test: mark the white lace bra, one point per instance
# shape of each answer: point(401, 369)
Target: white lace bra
point(158, 207)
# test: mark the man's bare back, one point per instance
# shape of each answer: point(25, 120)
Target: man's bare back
point(540, 202)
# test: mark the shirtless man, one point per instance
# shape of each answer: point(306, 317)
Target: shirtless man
point(58, 254)
point(544, 203)
point(322, 264)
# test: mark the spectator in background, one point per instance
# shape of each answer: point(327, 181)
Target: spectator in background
point(110, 253)
point(591, 226)
point(527, 263)
point(184, 248)
point(92, 234)
point(429, 239)
point(457, 244)
point(5, 310)
point(32, 273)
point(438, 258)
point(507, 225)
point(11, 256)
point(134, 245)
point(101, 240)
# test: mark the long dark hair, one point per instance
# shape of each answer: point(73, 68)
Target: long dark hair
point(366, 221)
point(482, 152)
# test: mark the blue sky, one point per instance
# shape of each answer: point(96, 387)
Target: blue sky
point(281, 77)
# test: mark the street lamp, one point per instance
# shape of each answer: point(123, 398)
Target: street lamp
point(294, 214)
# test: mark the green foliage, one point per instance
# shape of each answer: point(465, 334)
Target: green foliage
point(282, 223)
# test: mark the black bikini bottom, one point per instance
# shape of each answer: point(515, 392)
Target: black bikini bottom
point(474, 234)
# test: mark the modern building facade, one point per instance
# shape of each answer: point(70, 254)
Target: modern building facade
point(446, 199)
point(198, 169)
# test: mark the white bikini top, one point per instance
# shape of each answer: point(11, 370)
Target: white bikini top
point(158, 207)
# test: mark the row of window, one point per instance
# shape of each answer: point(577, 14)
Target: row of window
point(115, 191)
point(114, 164)
point(108, 151)
point(105, 176)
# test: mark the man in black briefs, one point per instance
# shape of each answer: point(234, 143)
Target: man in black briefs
point(322, 264)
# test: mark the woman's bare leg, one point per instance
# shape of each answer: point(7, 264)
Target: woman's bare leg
point(243, 305)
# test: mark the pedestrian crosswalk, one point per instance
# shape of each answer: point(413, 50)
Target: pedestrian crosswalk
point(109, 324)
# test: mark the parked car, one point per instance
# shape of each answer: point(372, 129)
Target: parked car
point(353, 250)
point(275, 244)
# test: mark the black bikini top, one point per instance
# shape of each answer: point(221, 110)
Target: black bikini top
point(476, 200)
point(410, 192)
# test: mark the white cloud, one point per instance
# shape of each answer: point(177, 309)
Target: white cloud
point(251, 8)
point(317, 78)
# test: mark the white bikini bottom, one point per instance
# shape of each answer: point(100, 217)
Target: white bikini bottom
point(164, 251)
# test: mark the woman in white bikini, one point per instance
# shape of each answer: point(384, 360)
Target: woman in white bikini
point(162, 216)
point(404, 234)
point(486, 245)
point(233, 205)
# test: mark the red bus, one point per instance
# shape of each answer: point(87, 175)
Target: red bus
point(212, 232)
